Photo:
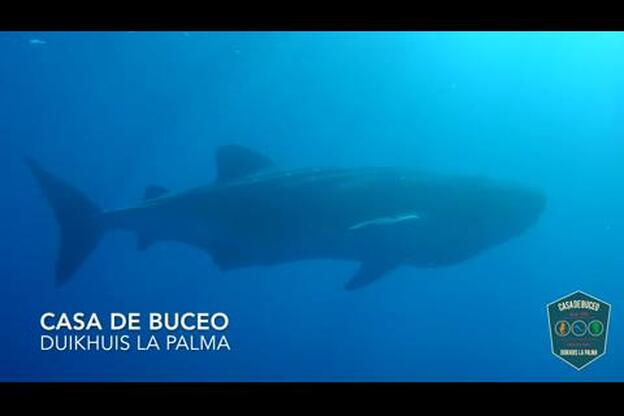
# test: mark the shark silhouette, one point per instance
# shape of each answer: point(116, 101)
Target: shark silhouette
point(255, 214)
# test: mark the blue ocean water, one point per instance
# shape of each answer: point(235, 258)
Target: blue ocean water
point(114, 112)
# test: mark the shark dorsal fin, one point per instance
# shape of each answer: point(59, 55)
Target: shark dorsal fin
point(235, 162)
point(154, 191)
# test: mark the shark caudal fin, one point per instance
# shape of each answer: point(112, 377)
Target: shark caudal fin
point(74, 213)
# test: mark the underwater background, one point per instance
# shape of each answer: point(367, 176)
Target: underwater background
point(114, 112)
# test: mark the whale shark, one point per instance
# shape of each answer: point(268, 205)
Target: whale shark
point(256, 214)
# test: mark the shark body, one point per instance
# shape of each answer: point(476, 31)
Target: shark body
point(256, 215)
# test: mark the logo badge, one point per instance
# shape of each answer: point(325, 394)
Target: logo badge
point(578, 328)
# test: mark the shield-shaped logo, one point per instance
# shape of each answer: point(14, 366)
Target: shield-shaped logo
point(579, 324)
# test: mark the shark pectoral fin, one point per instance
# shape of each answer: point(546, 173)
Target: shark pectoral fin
point(368, 273)
point(143, 242)
point(227, 258)
point(154, 191)
point(235, 162)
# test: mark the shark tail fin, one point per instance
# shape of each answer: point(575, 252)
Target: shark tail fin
point(75, 213)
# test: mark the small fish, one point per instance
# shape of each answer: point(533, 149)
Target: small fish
point(385, 221)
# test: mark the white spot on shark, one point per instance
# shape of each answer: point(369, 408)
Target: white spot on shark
point(386, 220)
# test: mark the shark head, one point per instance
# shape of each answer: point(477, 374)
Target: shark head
point(477, 218)
point(510, 210)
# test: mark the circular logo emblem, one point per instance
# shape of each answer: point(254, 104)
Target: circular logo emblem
point(579, 328)
point(596, 328)
point(562, 328)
